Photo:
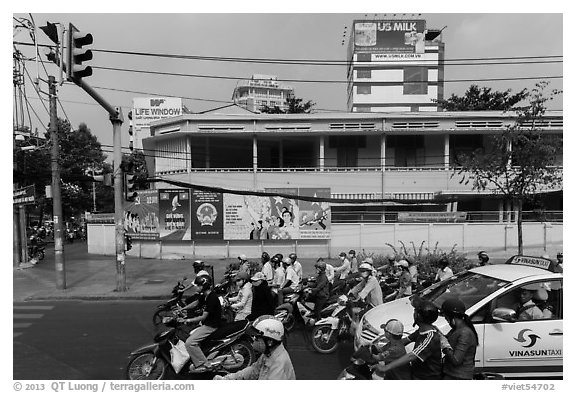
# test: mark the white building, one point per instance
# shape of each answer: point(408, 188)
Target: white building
point(260, 91)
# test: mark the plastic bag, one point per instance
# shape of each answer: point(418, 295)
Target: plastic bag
point(178, 356)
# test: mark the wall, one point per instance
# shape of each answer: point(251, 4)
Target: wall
point(466, 237)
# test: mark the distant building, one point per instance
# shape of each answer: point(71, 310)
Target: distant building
point(260, 91)
point(394, 66)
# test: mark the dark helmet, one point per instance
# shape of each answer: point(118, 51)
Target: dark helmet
point(320, 265)
point(198, 265)
point(204, 282)
point(352, 252)
point(453, 307)
point(425, 311)
point(483, 256)
point(293, 256)
point(265, 257)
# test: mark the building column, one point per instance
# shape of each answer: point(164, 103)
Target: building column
point(207, 151)
point(447, 151)
point(189, 160)
point(383, 161)
point(321, 154)
point(255, 159)
point(281, 153)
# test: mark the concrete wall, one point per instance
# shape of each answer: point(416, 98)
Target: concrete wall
point(373, 238)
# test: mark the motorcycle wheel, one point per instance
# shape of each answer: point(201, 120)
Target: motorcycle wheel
point(159, 315)
point(243, 348)
point(140, 367)
point(319, 341)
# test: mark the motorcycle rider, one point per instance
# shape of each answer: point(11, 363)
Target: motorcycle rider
point(297, 265)
point(405, 280)
point(275, 363)
point(395, 349)
point(426, 358)
point(263, 298)
point(242, 304)
point(267, 268)
point(483, 258)
point(279, 273)
point(353, 261)
point(320, 289)
point(210, 321)
point(459, 345)
point(291, 282)
point(341, 272)
point(444, 272)
point(368, 288)
point(199, 268)
point(244, 264)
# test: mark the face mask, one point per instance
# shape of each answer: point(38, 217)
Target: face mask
point(259, 346)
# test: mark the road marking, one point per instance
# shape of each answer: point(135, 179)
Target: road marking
point(21, 325)
point(28, 316)
point(22, 308)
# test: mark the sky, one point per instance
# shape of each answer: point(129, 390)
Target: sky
point(205, 85)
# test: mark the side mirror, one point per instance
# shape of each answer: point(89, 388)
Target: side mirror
point(502, 314)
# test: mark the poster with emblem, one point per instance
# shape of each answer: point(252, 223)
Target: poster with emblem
point(207, 215)
point(174, 211)
point(314, 219)
point(141, 218)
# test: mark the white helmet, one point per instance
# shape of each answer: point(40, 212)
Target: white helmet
point(268, 326)
point(402, 263)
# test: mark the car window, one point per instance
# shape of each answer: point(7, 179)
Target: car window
point(534, 301)
point(468, 287)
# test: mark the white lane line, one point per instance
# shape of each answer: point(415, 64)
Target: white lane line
point(28, 316)
point(22, 308)
point(22, 325)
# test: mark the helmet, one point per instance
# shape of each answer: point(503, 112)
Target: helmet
point(402, 263)
point(242, 257)
point(203, 281)
point(287, 261)
point(352, 252)
point(453, 307)
point(267, 326)
point(275, 260)
point(366, 267)
point(321, 265)
point(425, 311)
point(198, 264)
point(369, 261)
point(293, 256)
point(242, 276)
point(265, 256)
point(394, 326)
point(391, 257)
point(560, 254)
point(483, 256)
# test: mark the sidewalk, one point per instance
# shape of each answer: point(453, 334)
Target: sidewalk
point(93, 277)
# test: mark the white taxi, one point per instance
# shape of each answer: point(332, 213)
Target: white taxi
point(516, 339)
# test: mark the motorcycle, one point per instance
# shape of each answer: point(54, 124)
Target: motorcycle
point(175, 302)
point(296, 308)
point(228, 349)
point(36, 249)
point(340, 325)
point(362, 360)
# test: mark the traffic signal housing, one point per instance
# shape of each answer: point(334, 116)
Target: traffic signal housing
point(128, 242)
point(130, 193)
point(77, 54)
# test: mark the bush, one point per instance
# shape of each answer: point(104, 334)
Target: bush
point(427, 261)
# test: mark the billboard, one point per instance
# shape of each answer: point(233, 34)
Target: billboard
point(141, 219)
point(174, 211)
point(207, 215)
point(390, 36)
point(148, 109)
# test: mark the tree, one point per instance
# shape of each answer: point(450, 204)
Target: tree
point(136, 162)
point(295, 105)
point(520, 163)
point(482, 99)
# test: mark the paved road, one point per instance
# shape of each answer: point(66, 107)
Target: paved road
point(92, 339)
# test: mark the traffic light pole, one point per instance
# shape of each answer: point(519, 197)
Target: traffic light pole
point(118, 206)
point(59, 263)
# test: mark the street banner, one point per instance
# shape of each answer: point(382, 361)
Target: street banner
point(284, 215)
point(314, 216)
point(141, 219)
point(148, 109)
point(174, 213)
point(24, 196)
point(390, 36)
point(207, 215)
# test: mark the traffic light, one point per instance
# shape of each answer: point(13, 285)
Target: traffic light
point(131, 132)
point(128, 242)
point(51, 30)
point(77, 54)
point(130, 193)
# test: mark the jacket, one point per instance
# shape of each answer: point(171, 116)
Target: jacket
point(277, 366)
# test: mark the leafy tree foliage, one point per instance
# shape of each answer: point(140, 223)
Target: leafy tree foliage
point(483, 99)
point(295, 105)
point(520, 163)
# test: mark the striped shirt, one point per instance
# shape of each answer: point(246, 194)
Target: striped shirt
point(427, 350)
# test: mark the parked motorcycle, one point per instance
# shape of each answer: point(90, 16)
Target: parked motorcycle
point(228, 349)
point(36, 249)
point(340, 325)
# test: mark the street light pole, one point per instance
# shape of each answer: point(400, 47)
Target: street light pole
point(59, 262)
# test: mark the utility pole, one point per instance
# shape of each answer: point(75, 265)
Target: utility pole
point(56, 194)
point(119, 202)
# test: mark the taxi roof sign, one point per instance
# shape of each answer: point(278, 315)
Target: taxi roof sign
point(538, 262)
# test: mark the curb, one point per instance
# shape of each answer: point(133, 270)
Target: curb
point(94, 297)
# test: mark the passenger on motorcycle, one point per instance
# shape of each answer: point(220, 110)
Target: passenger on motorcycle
point(267, 268)
point(483, 258)
point(210, 321)
point(413, 270)
point(263, 298)
point(297, 265)
point(279, 273)
point(242, 304)
point(199, 270)
point(353, 261)
point(275, 363)
point(369, 288)
point(444, 272)
point(320, 289)
point(405, 280)
point(341, 272)
point(426, 358)
point(291, 283)
point(395, 349)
